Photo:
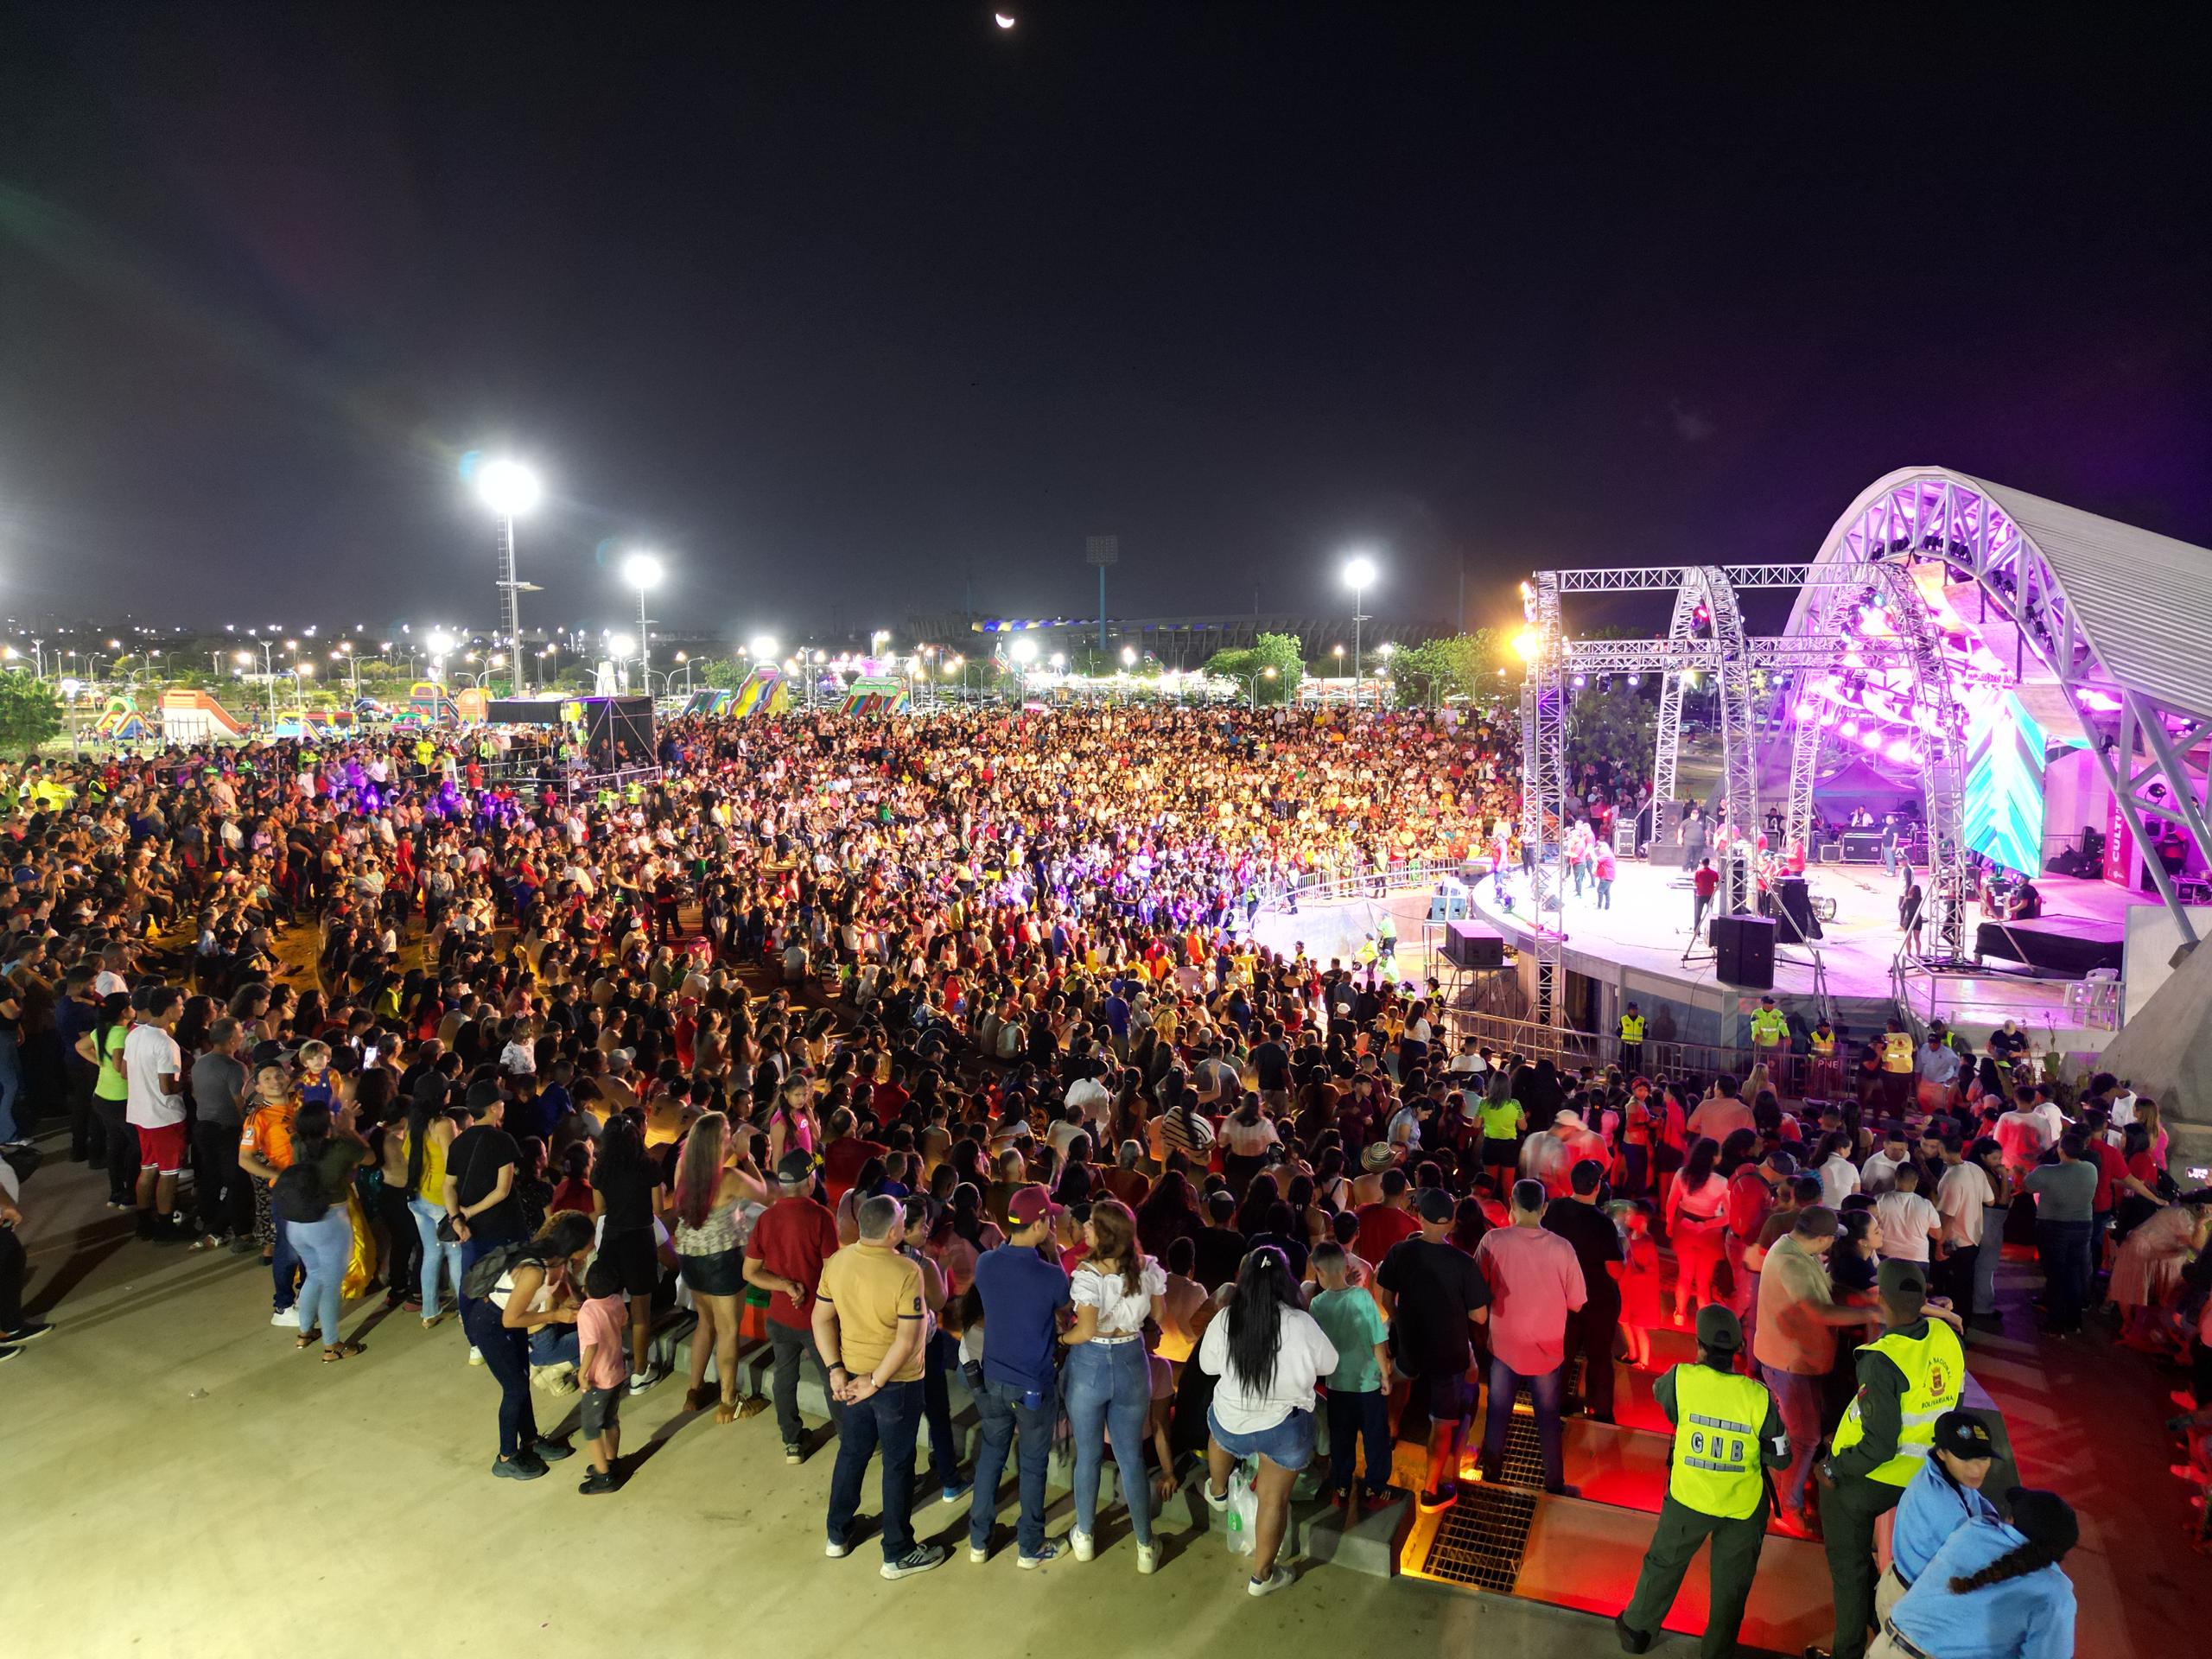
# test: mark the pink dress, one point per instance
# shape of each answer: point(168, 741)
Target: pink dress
point(2147, 1270)
point(1640, 1285)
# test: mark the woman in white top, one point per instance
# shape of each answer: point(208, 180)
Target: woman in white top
point(1109, 1381)
point(1268, 1352)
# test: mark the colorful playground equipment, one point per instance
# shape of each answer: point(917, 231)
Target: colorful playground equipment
point(876, 697)
point(707, 703)
point(427, 704)
point(121, 722)
point(196, 717)
point(765, 691)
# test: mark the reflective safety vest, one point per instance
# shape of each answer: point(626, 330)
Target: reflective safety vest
point(1716, 1462)
point(1631, 1027)
point(1770, 1027)
point(1823, 1047)
point(1934, 1368)
point(1501, 1120)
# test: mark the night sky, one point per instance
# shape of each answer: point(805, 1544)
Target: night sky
point(840, 307)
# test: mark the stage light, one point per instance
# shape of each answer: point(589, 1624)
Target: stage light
point(1901, 752)
point(508, 487)
point(1849, 729)
point(641, 570)
point(1527, 644)
point(1128, 656)
point(1023, 650)
point(1635, 680)
point(1870, 740)
point(1579, 682)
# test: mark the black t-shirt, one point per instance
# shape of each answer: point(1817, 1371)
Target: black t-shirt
point(628, 1194)
point(1272, 1065)
point(1596, 1242)
point(475, 1159)
point(1436, 1286)
point(1220, 1252)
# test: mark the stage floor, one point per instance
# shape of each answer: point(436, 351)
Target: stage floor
point(1647, 926)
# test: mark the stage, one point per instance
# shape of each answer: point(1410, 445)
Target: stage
point(1641, 946)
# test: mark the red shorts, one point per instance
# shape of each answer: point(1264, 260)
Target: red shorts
point(161, 1148)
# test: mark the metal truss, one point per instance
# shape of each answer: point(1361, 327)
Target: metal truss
point(2163, 787)
point(1767, 652)
point(1681, 640)
point(1942, 773)
point(1543, 791)
point(1728, 653)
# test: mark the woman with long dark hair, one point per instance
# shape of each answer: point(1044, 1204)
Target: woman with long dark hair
point(311, 1203)
point(714, 1178)
point(623, 1189)
point(1994, 1587)
point(1115, 1289)
point(534, 1290)
point(1696, 1211)
point(429, 1132)
point(1268, 1353)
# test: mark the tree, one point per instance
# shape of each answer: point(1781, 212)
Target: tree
point(1616, 726)
point(1457, 665)
point(715, 673)
point(29, 712)
point(1283, 652)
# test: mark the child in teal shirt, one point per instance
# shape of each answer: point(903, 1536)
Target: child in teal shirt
point(1359, 1389)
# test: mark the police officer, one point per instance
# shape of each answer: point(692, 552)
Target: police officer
point(1632, 1042)
point(1993, 1589)
point(1943, 1497)
point(1726, 1428)
point(1909, 1376)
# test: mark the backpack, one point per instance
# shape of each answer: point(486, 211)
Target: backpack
point(296, 1194)
point(485, 1273)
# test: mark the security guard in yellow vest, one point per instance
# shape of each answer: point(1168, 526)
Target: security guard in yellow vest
point(1909, 1376)
point(1727, 1433)
point(1631, 1043)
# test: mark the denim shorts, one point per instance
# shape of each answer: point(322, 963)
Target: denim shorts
point(603, 1410)
point(1288, 1444)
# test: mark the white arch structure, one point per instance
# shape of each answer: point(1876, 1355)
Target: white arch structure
point(2121, 617)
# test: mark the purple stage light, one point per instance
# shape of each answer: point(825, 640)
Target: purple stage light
point(1849, 729)
point(1870, 740)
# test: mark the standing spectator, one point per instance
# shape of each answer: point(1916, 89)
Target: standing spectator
point(2064, 1193)
point(527, 1295)
point(600, 1370)
point(2022, 1137)
point(479, 1189)
point(218, 1088)
point(1938, 1068)
point(15, 1327)
point(1536, 1283)
point(1114, 1291)
point(1591, 1328)
point(1696, 1213)
point(1267, 1354)
point(1969, 1198)
point(152, 1063)
point(1359, 1389)
point(1022, 1291)
point(789, 1243)
point(1705, 882)
point(1894, 1047)
point(1795, 1346)
point(1910, 1225)
point(868, 1325)
point(1434, 1295)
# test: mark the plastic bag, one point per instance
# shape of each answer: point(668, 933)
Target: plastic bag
point(1243, 1513)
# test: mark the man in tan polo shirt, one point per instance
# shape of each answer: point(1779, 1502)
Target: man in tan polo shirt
point(869, 1322)
point(1795, 1346)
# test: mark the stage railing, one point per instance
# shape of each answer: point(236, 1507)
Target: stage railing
point(588, 783)
point(1328, 886)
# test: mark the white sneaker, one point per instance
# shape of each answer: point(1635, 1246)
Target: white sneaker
point(640, 1381)
point(836, 1551)
point(1080, 1541)
point(977, 1554)
point(1147, 1558)
point(1048, 1553)
point(474, 1358)
point(285, 1318)
point(1278, 1579)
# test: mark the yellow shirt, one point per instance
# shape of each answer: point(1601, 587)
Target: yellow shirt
point(873, 1289)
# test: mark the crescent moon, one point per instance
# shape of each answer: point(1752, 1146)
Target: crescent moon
point(1002, 19)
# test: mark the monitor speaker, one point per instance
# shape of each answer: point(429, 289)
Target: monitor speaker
point(1666, 819)
point(1468, 945)
point(1744, 947)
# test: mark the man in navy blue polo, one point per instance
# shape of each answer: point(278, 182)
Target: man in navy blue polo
point(1024, 1290)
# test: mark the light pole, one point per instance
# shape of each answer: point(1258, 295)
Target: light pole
point(509, 489)
point(1360, 572)
point(642, 571)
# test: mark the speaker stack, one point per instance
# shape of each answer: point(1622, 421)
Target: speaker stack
point(1467, 945)
point(1744, 948)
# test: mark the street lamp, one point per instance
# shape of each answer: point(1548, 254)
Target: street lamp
point(1023, 650)
point(509, 489)
point(763, 647)
point(642, 571)
point(1359, 573)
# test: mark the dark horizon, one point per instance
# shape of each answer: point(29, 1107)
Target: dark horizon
point(839, 307)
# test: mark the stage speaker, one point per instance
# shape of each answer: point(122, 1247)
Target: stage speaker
point(1467, 945)
point(1447, 907)
point(1666, 818)
point(1744, 945)
point(1794, 902)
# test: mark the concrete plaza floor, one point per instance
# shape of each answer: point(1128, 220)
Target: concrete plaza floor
point(176, 1479)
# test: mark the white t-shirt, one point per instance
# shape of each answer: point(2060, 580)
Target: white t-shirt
point(1304, 1357)
point(149, 1054)
point(1839, 1180)
point(1961, 1197)
point(1120, 1313)
point(1905, 1218)
point(1093, 1097)
point(1878, 1174)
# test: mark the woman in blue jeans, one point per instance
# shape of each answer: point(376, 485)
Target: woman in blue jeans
point(428, 1135)
point(326, 1154)
point(1108, 1380)
point(533, 1292)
